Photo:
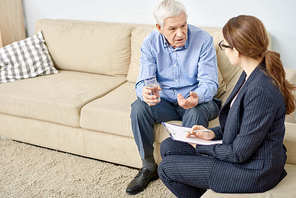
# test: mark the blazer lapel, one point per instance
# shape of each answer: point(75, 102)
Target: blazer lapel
point(249, 81)
point(224, 111)
point(236, 88)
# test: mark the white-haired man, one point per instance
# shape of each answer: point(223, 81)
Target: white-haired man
point(183, 60)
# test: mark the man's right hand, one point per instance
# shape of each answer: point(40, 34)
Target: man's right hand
point(151, 95)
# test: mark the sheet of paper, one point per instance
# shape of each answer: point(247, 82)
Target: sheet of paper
point(179, 133)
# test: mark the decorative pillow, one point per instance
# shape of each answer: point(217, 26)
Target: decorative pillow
point(137, 38)
point(25, 59)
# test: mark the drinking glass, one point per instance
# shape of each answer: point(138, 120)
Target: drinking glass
point(153, 85)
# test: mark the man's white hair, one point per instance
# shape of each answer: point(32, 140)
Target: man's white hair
point(168, 8)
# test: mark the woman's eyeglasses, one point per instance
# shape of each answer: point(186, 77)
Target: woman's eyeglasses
point(223, 46)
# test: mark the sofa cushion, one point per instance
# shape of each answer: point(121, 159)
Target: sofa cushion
point(286, 188)
point(290, 142)
point(55, 98)
point(228, 71)
point(25, 59)
point(111, 113)
point(291, 77)
point(94, 47)
point(138, 36)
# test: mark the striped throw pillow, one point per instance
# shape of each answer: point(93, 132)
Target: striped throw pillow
point(25, 59)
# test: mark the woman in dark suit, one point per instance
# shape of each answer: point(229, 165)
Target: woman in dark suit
point(252, 155)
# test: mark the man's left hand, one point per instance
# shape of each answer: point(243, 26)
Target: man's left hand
point(189, 102)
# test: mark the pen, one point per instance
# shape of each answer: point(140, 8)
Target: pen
point(200, 130)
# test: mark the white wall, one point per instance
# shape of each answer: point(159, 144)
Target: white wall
point(278, 16)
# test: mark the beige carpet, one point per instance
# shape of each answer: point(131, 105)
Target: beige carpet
point(30, 171)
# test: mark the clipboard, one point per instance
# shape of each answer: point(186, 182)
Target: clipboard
point(179, 133)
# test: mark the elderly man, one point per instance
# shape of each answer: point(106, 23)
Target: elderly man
point(183, 60)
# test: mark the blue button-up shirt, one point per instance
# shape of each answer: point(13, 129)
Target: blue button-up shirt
point(192, 67)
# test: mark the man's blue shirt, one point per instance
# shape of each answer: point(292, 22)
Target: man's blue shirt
point(192, 67)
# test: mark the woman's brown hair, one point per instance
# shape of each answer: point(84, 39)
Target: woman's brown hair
point(249, 37)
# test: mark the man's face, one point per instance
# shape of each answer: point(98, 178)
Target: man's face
point(175, 30)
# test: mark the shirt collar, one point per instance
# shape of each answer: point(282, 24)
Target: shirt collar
point(166, 43)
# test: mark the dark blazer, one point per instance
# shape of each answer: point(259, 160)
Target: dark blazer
point(252, 156)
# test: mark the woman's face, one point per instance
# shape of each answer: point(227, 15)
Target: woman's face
point(230, 52)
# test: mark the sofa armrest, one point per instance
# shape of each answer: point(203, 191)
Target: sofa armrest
point(290, 142)
point(291, 77)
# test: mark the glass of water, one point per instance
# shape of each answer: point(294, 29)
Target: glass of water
point(153, 85)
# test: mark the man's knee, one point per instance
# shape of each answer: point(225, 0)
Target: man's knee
point(138, 109)
point(195, 112)
point(199, 115)
point(209, 109)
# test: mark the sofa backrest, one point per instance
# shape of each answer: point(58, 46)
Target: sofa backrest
point(93, 47)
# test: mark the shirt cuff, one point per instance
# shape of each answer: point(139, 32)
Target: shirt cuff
point(202, 98)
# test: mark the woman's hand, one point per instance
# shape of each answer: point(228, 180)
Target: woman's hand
point(201, 132)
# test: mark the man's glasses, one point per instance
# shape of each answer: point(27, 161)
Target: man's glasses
point(222, 46)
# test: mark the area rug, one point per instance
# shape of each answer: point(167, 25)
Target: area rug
point(31, 171)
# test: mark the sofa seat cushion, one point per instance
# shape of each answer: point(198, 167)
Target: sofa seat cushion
point(286, 188)
point(55, 98)
point(111, 113)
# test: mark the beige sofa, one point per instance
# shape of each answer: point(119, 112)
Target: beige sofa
point(85, 108)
